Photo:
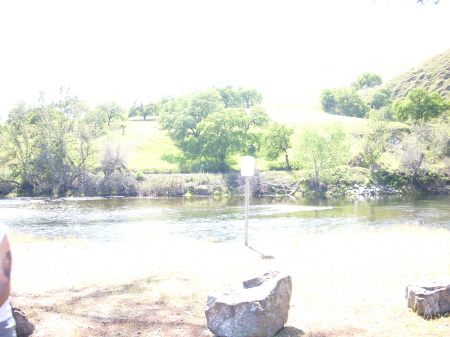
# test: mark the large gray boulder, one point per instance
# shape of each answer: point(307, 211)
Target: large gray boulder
point(258, 308)
point(429, 298)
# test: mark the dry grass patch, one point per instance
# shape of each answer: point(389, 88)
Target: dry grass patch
point(343, 284)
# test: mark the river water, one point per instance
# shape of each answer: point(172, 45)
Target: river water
point(214, 218)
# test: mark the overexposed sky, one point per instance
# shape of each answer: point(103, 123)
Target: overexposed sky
point(110, 50)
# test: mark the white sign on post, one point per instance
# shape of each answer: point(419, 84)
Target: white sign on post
point(247, 171)
point(248, 166)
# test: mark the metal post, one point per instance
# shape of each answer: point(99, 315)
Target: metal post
point(247, 201)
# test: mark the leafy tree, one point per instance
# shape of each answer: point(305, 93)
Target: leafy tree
point(375, 139)
point(277, 141)
point(19, 148)
point(420, 105)
point(321, 149)
point(231, 98)
point(328, 100)
point(112, 112)
point(182, 116)
point(367, 80)
point(343, 101)
point(258, 117)
point(250, 97)
point(138, 109)
point(222, 135)
point(380, 99)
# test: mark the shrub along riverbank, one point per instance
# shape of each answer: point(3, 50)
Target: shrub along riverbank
point(341, 182)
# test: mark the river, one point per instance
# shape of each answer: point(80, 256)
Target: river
point(214, 218)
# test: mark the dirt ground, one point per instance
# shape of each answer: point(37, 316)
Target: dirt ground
point(344, 284)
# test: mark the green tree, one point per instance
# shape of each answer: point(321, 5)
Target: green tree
point(328, 100)
point(138, 109)
point(231, 98)
point(343, 101)
point(112, 112)
point(321, 149)
point(420, 105)
point(251, 97)
point(367, 80)
point(222, 135)
point(381, 98)
point(19, 148)
point(182, 116)
point(375, 139)
point(277, 141)
point(258, 117)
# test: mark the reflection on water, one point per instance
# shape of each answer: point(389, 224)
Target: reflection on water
point(213, 218)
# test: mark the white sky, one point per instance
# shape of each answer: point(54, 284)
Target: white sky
point(110, 50)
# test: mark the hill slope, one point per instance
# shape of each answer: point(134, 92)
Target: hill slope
point(433, 75)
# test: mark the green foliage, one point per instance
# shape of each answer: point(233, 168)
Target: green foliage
point(240, 97)
point(343, 101)
point(395, 179)
point(258, 117)
point(321, 149)
point(221, 135)
point(251, 97)
point(50, 146)
point(375, 139)
point(111, 112)
point(183, 116)
point(139, 109)
point(349, 176)
point(426, 144)
point(277, 141)
point(210, 134)
point(381, 98)
point(367, 80)
point(420, 105)
point(231, 98)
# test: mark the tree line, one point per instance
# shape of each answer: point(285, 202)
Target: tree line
point(52, 148)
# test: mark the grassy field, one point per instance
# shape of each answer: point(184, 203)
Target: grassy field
point(146, 144)
point(344, 284)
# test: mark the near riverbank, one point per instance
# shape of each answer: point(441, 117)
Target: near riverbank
point(344, 284)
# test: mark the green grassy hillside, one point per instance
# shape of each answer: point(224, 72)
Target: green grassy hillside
point(148, 145)
point(433, 75)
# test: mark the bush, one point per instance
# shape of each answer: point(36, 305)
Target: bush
point(393, 179)
point(348, 176)
point(279, 183)
point(160, 185)
point(118, 184)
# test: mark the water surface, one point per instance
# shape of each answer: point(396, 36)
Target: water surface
point(214, 218)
